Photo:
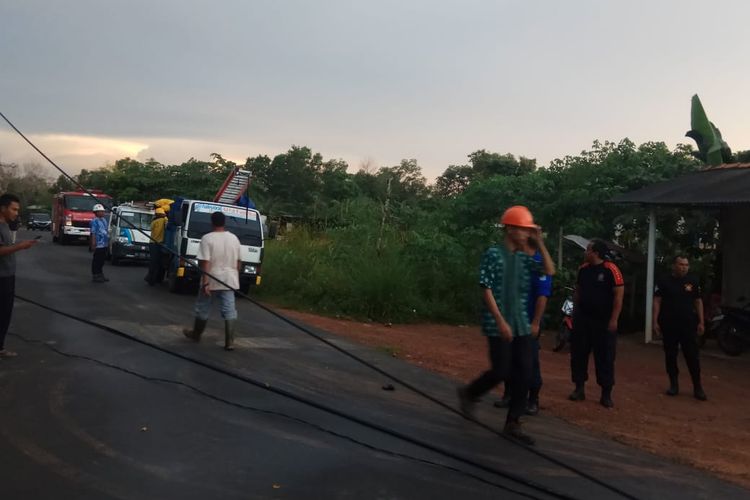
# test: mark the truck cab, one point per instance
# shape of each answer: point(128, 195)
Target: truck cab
point(191, 220)
point(72, 214)
point(129, 231)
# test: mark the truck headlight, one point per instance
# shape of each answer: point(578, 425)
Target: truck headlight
point(122, 239)
point(248, 269)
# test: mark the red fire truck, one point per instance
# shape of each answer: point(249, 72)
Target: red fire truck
point(71, 214)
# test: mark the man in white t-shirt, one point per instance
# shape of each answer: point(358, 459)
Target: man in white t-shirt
point(219, 256)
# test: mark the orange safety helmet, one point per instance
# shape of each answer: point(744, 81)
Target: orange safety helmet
point(518, 215)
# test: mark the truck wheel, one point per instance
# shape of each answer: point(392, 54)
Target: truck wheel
point(174, 283)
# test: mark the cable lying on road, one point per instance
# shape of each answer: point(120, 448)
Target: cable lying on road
point(347, 353)
point(312, 403)
point(274, 413)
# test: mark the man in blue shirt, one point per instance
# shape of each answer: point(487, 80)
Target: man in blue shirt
point(98, 242)
point(539, 291)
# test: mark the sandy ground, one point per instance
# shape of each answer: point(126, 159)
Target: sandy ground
point(713, 435)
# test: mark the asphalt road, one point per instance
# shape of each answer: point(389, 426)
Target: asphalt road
point(87, 414)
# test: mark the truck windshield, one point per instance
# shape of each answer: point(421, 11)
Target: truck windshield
point(243, 224)
point(38, 216)
point(139, 220)
point(83, 203)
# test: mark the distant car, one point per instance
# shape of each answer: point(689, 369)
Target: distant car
point(40, 221)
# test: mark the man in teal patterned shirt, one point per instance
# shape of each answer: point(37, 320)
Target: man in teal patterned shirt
point(504, 277)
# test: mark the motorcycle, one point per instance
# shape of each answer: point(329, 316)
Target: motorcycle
point(713, 319)
point(733, 329)
point(566, 325)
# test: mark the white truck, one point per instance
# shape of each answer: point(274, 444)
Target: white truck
point(191, 220)
point(126, 242)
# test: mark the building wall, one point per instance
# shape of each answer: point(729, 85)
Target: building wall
point(735, 244)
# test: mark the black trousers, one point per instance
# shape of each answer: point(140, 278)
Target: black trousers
point(535, 382)
point(591, 334)
point(509, 361)
point(7, 296)
point(155, 267)
point(675, 335)
point(97, 261)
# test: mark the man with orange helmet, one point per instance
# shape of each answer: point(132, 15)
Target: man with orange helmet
point(505, 275)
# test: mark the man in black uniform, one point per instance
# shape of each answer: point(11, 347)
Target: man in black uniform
point(597, 305)
point(678, 316)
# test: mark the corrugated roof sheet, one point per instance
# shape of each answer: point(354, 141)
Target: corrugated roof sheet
point(725, 184)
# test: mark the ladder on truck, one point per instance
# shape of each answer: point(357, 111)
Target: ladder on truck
point(234, 186)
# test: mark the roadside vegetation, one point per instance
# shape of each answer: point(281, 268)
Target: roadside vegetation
point(383, 244)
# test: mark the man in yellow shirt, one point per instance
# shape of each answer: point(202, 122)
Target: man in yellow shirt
point(155, 269)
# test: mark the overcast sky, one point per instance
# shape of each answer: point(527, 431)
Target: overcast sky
point(366, 81)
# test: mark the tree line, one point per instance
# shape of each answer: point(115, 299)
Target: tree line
point(384, 244)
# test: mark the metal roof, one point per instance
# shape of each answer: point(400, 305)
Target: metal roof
point(726, 184)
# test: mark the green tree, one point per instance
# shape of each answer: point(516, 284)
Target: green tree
point(292, 180)
point(454, 180)
point(486, 164)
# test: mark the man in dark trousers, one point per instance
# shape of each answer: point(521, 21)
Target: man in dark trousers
point(155, 268)
point(98, 243)
point(678, 318)
point(597, 305)
point(9, 207)
point(505, 278)
point(539, 293)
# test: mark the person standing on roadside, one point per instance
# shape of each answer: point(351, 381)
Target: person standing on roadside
point(678, 318)
point(155, 267)
point(539, 292)
point(597, 305)
point(505, 279)
point(9, 207)
point(98, 243)
point(219, 255)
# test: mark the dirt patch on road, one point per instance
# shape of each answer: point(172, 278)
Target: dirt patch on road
point(712, 435)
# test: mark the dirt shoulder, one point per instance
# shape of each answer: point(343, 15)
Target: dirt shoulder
point(713, 435)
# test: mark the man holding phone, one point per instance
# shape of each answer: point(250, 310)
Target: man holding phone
point(9, 207)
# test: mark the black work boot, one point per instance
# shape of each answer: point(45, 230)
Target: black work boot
point(514, 431)
point(98, 278)
point(465, 402)
point(532, 407)
point(699, 393)
point(606, 399)
point(503, 403)
point(674, 386)
point(578, 394)
point(195, 334)
point(229, 334)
